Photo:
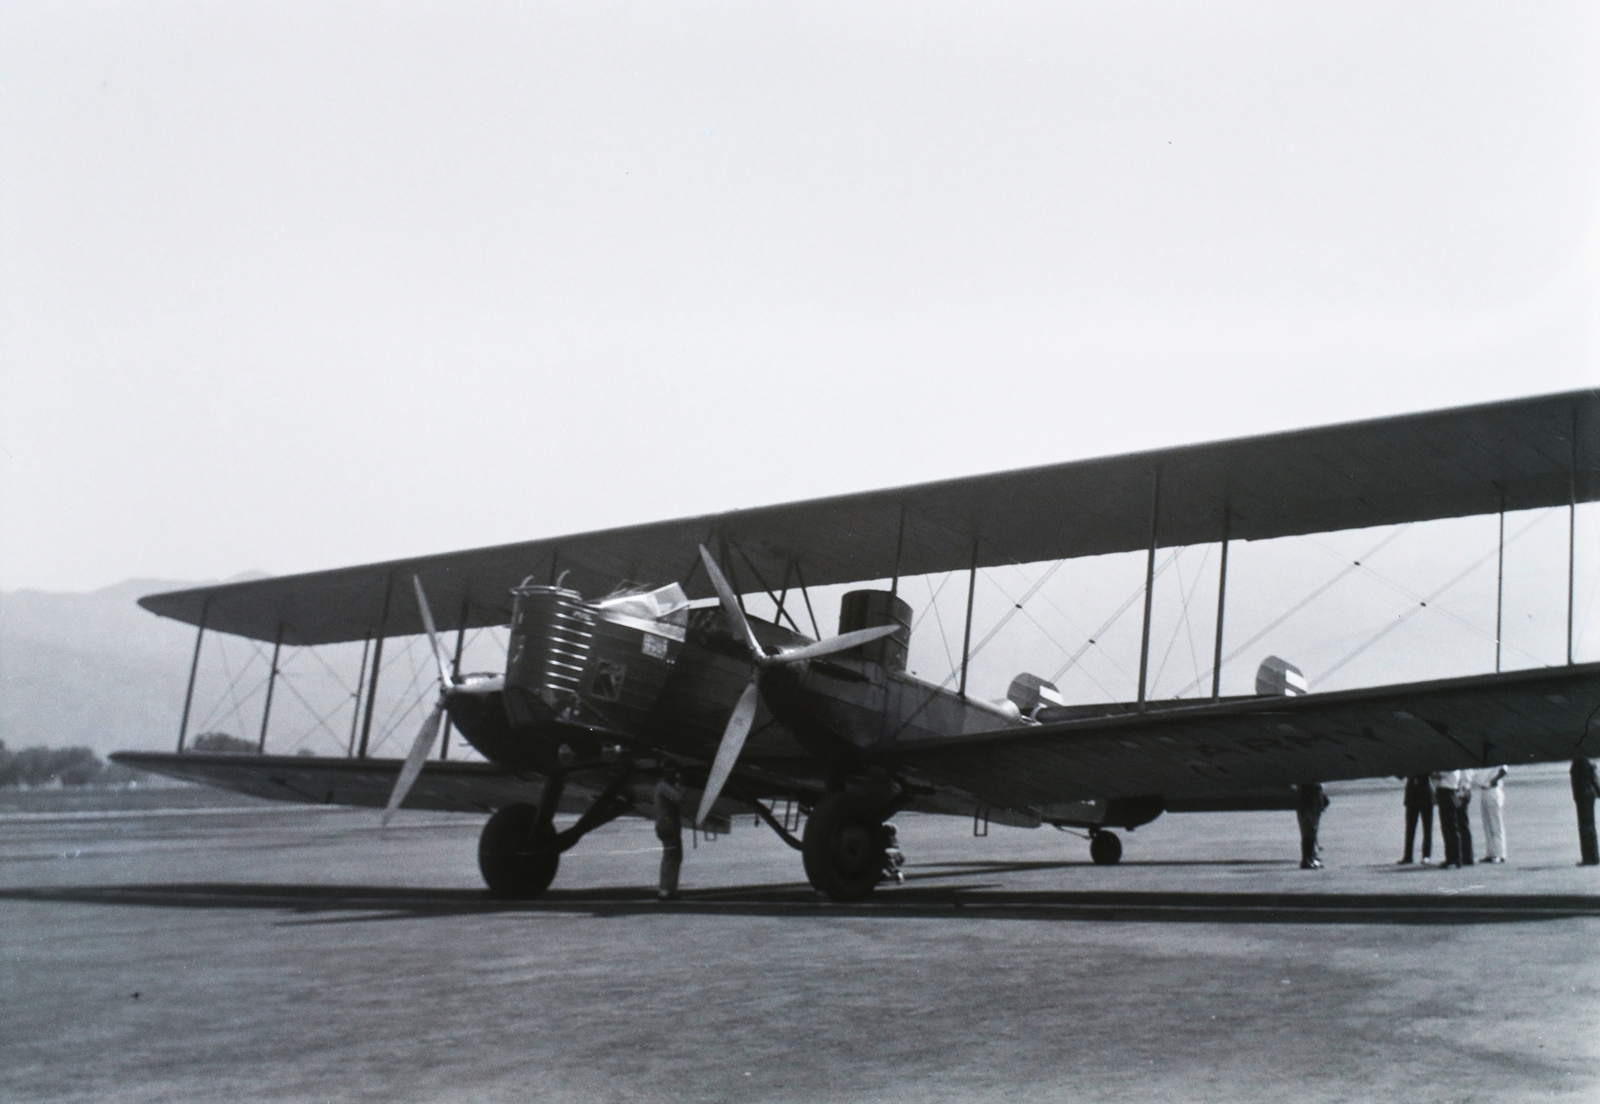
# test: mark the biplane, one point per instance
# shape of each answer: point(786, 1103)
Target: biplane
point(631, 654)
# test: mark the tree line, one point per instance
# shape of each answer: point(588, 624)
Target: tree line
point(80, 766)
point(46, 766)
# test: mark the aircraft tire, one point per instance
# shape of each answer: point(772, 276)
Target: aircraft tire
point(512, 867)
point(1105, 848)
point(843, 847)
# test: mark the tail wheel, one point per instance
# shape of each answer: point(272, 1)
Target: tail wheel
point(843, 847)
point(1105, 848)
point(514, 866)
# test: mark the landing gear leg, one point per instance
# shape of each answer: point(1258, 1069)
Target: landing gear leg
point(843, 846)
point(1104, 847)
point(520, 850)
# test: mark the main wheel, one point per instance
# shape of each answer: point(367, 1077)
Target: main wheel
point(843, 847)
point(1105, 848)
point(515, 868)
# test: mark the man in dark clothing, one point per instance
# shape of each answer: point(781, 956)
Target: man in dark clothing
point(1585, 787)
point(1308, 806)
point(669, 830)
point(1463, 821)
point(1452, 792)
point(1419, 806)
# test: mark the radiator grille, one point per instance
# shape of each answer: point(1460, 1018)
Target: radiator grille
point(552, 631)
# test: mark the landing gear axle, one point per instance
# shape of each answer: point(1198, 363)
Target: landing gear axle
point(843, 846)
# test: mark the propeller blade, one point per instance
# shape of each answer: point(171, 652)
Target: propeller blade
point(733, 737)
point(420, 750)
point(433, 637)
point(841, 643)
point(730, 604)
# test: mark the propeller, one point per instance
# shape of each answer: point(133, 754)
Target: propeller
point(744, 711)
point(428, 734)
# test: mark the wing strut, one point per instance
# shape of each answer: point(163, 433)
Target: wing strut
point(194, 667)
point(1149, 582)
point(1222, 607)
point(377, 665)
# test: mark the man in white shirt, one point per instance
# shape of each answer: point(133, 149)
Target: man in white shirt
point(1492, 810)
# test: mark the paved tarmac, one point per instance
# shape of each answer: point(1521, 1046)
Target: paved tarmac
point(294, 954)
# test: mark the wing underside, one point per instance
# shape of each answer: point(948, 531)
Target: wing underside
point(461, 787)
point(1517, 455)
point(444, 786)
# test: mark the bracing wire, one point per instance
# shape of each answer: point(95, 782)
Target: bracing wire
point(1186, 593)
point(938, 618)
point(319, 718)
point(1020, 606)
point(1094, 638)
point(1349, 569)
point(1016, 606)
point(1423, 603)
point(326, 666)
point(234, 702)
point(405, 704)
point(1188, 622)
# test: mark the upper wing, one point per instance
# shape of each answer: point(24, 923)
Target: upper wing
point(451, 787)
point(1212, 751)
point(1513, 455)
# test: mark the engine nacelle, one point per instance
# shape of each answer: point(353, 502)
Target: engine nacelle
point(591, 663)
point(1280, 678)
point(1030, 693)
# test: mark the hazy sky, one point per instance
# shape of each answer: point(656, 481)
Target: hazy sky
point(288, 286)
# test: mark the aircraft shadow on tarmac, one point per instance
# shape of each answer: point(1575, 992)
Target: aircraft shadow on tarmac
point(365, 904)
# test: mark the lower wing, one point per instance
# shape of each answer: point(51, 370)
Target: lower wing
point(451, 787)
point(1213, 751)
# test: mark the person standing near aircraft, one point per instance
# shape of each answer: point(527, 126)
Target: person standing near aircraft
point(1585, 788)
point(1309, 803)
point(1452, 796)
point(1444, 799)
point(1419, 806)
point(669, 830)
point(894, 859)
point(1463, 821)
point(1492, 811)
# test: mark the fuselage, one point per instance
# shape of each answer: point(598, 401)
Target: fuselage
point(583, 677)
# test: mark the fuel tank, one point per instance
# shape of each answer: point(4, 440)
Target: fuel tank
point(868, 609)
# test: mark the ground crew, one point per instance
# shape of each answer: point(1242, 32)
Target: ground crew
point(1585, 788)
point(1452, 793)
point(1493, 811)
point(1419, 806)
point(1308, 806)
point(669, 830)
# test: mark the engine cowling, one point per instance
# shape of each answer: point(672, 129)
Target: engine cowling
point(600, 664)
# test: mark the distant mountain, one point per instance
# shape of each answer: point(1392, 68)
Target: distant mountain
point(92, 669)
